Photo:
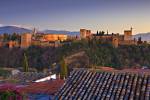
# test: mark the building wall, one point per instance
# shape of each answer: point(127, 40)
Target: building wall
point(11, 44)
point(132, 42)
point(88, 33)
point(115, 42)
point(36, 43)
point(55, 37)
point(85, 33)
point(128, 35)
point(26, 40)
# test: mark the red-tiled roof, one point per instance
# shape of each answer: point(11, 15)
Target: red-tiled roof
point(49, 87)
point(10, 87)
point(106, 68)
point(105, 85)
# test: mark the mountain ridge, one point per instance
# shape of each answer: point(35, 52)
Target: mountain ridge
point(20, 30)
point(13, 29)
point(144, 36)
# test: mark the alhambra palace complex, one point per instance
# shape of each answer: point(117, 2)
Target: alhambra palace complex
point(55, 40)
point(116, 39)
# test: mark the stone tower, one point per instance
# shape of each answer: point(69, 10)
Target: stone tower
point(128, 35)
point(88, 33)
point(26, 40)
point(83, 33)
point(34, 31)
point(115, 42)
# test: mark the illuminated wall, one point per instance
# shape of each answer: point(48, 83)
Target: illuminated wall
point(85, 33)
point(115, 42)
point(55, 37)
point(128, 35)
point(26, 40)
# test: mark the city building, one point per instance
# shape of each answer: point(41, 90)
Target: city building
point(26, 40)
point(34, 31)
point(12, 44)
point(128, 35)
point(55, 37)
point(128, 40)
point(88, 33)
point(52, 40)
point(85, 33)
point(115, 42)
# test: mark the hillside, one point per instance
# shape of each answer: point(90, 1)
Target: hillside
point(97, 54)
point(61, 31)
point(77, 60)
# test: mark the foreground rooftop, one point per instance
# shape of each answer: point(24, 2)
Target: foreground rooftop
point(49, 87)
point(34, 91)
point(103, 85)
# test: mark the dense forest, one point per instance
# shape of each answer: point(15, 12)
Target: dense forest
point(99, 53)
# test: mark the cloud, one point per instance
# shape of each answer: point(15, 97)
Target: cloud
point(10, 25)
point(22, 26)
point(1, 25)
point(15, 25)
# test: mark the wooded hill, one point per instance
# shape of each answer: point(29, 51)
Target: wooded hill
point(99, 53)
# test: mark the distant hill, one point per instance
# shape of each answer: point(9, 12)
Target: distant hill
point(144, 36)
point(75, 33)
point(56, 31)
point(13, 29)
point(62, 32)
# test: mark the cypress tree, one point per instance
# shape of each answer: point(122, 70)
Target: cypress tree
point(25, 63)
point(63, 69)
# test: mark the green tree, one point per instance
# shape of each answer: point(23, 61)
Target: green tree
point(25, 63)
point(6, 94)
point(97, 33)
point(63, 69)
point(102, 33)
point(7, 37)
point(14, 37)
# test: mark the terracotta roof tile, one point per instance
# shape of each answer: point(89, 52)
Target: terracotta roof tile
point(49, 87)
point(86, 84)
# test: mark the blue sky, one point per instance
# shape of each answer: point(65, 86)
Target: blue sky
point(114, 15)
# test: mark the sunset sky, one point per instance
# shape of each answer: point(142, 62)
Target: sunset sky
point(114, 15)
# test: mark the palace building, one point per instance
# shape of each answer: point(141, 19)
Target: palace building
point(117, 39)
point(55, 37)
